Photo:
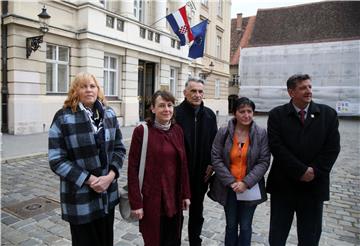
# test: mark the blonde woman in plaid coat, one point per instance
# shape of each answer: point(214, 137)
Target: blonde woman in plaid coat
point(87, 152)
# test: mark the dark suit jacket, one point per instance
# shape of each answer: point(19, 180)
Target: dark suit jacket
point(296, 147)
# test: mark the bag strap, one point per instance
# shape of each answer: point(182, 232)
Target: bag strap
point(143, 155)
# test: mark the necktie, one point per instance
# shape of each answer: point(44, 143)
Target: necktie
point(302, 116)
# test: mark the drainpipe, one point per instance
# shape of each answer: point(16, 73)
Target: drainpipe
point(4, 68)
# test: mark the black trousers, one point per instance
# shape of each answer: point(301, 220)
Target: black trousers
point(308, 216)
point(196, 219)
point(170, 233)
point(99, 232)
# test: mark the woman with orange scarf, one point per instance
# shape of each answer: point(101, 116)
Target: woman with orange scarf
point(240, 158)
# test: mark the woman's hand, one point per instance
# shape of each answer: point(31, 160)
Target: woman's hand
point(138, 213)
point(186, 204)
point(102, 183)
point(239, 186)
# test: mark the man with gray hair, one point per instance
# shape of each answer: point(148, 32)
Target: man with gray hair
point(199, 125)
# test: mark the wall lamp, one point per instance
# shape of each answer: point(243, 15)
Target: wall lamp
point(33, 43)
point(204, 75)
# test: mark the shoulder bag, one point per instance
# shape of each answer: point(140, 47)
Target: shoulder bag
point(124, 205)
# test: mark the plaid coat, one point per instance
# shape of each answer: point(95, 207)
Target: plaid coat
point(73, 155)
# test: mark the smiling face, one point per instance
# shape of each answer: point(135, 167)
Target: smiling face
point(301, 95)
point(244, 115)
point(194, 93)
point(88, 93)
point(163, 110)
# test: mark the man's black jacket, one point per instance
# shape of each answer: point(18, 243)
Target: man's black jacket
point(199, 134)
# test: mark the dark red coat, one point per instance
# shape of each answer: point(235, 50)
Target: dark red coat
point(151, 190)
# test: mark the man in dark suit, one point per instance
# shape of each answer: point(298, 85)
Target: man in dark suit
point(305, 142)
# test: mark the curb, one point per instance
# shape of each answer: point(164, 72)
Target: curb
point(8, 160)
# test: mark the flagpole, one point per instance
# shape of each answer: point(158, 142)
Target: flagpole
point(188, 3)
point(157, 21)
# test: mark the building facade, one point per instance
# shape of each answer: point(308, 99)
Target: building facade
point(127, 45)
point(241, 30)
point(320, 39)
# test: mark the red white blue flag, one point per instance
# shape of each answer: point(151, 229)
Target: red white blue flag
point(180, 25)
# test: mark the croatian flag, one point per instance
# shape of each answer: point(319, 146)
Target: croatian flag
point(180, 25)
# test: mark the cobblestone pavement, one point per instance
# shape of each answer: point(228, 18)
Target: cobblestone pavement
point(27, 178)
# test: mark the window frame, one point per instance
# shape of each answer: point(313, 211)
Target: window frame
point(139, 10)
point(55, 66)
point(157, 37)
point(142, 32)
point(235, 79)
point(108, 69)
point(150, 35)
point(217, 88)
point(173, 80)
point(120, 27)
point(218, 46)
point(219, 9)
point(112, 18)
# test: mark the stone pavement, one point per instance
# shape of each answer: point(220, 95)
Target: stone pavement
point(30, 177)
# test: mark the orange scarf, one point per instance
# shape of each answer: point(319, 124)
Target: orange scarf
point(238, 158)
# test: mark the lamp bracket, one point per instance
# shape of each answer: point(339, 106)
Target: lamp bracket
point(33, 44)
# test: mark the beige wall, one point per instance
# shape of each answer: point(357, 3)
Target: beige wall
point(82, 28)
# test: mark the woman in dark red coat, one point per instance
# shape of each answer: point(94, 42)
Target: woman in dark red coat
point(165, 192)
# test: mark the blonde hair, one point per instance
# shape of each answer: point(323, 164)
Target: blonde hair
point(73, 98)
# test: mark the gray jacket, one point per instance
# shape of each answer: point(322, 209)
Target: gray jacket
point(258, 161)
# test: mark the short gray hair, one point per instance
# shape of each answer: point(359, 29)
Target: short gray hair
point(192, 79)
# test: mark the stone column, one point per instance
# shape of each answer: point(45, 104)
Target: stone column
point(160, 12)
point(130, 105)
point(127, 8)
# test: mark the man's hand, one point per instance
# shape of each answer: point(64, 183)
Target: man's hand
point(138, 213)
point(102, 183)
point(209, 171)
point(186, 204)
point(308, 175)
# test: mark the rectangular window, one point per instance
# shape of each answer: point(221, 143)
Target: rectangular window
point(110, 75)
point(173, 41)
point(120, 25)
point(139, 10)
point(235, 79)
point(217, 88)
point(110, 21)
point(178, 45)
point(150, 35)
point(142, 32)
point(173, 78)
point(57, 68)
point(157, 37)
point(220, 8)
point(218, 47)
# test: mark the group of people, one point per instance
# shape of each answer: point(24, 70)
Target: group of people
point(185, 153)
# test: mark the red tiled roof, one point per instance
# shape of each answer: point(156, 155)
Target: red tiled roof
point(240, 37)
point(316, 22)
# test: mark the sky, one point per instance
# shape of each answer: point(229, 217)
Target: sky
point(249, 7)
